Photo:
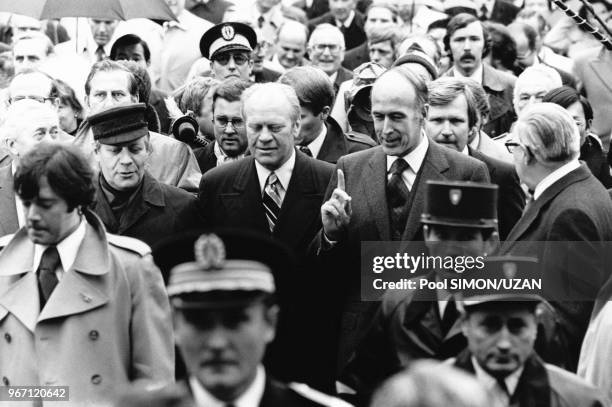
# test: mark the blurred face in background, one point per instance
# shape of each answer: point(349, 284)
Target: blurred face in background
point(28, 54)
point(102, 30)
point(133, 53)
point(341, 9)
point(382, 53)
point(291, 48)
point(379, 17)
point(326, 50)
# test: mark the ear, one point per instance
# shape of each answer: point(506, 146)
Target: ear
point(465, 323)
point(492, 243)
point(10, 144)
point(325, 113)
point(271, 317)
point(87, 101)
point(425, 111)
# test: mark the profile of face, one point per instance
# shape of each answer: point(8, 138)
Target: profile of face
point(326, 50)
point(396, 114)
point(67, 117)
point(133, 53)
point(259, 55)
point(223, 347)
point(230, 130)
point(123, 165)
point(525, 57)
point(500, 336)
point(448, 124)
point(41, 125)
point(341, 9)
point(378, 17)
point(48, 220)
point(33, 85)
point(530, 89)
point(382, 53)
point(109, 89)
point(577, 113)
point(290, 49)
point(270, 131)
point(102, 30)
point(311, 125)
point(466, 46)
point(28, 54)
point(232, 64)
point(177, 6)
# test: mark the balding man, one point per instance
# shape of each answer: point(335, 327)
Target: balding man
point(290, 45)
point(326, 50)
point(27, 123)
point(531, 86)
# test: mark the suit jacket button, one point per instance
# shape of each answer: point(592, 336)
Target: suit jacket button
point(5, 380)
point(85, 297)
point(96, 379)
point(7, 336)
point(93, 335)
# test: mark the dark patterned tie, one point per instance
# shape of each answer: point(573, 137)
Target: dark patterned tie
point(100, 53)
point(272, 200)
point(47, 280)
point(306, 150)
point(397, 196)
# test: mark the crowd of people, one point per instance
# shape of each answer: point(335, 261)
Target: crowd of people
point(188, 208)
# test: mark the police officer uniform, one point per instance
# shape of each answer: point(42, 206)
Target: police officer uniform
point(152, 210)
point(222, 271)
point(535, 383)
point(412, 324)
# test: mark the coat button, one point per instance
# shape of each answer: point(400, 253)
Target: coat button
point(5, 380)
point(8, 338)
point(85, 297)
point(96, 379)
point(93, 335)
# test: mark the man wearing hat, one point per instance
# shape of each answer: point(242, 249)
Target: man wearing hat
point(229, 46)
point(501, 328)
point(225, 316)
point(320, 136)
point(128, 199)
point(459, 219)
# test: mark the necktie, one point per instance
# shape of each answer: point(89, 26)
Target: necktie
point(528, 201)
point(260, 21)
point(47, 280)
point(100, 53)
point(306, 150)
point(272, 200)
point(450, 315)
point(397, 196)
point(484, 12)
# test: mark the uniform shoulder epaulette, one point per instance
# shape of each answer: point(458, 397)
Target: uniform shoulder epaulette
point(4, 240)
point(316, 396)
point(129, 243)
point(360, 138)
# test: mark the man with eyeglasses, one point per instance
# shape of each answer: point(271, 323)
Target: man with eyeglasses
point(228, 125)
point(532, 84)
point(326, 50)
point(568, 220)
point(228, 46)
point(33, 85)
point(260, 72)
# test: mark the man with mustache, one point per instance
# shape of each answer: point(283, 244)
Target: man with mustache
point(467, 42)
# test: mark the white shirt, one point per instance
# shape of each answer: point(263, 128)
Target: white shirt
point(67, 250)
point(553, 177)
point(223, 158)
point(414, 159)
point(490, 383)
point(250, 398)
point(21, 220)
point(475, 76)
point(283, 173)
point(315, 145)
point(346, 23)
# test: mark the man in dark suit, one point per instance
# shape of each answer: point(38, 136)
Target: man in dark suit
point(276, 190)
point(451, 117)
point(378, 194)
point(128, 200)
point(230, 131)
point(467, 56)
point(320, 136)
point(568, 222)
point(343, 15)
point(326, 50)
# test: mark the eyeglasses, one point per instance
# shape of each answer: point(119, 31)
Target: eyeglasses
point(223, 121)
point(333, 48)
point(239, 59)
point(39, 99)
point(511, 145)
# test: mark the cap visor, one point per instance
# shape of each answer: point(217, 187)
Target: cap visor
point(125, 137)
point(230, 47)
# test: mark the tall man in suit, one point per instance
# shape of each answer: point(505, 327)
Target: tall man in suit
point(378, 194)
point(27, 123)
point(451, 117)
point(569, 220)
point(228, 126)
point(350, 22)
point(320, 135)
point(276, 190)
point(467, 42)
point(326, 50)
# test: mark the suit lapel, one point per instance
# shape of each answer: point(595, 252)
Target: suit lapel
point(150, 195)
point(12, 300)
point(374, 185)
point(8, 215)
point(333, 146)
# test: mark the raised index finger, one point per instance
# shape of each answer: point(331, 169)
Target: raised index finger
point(341, 185)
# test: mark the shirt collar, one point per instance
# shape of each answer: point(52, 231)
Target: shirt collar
point(315, 145)
point(67, 248)
point(414, 158)
point(283, 172)
point(250, 398)
point(333, 77)
point(475, 76)
point(223, 158)
point(554, 176)
point(491, 383)
point(349, 20)
point(476, 141)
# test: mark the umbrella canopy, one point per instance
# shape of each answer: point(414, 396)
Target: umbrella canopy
point(99, 9)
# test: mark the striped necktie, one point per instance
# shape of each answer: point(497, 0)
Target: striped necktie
point(272, 199)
